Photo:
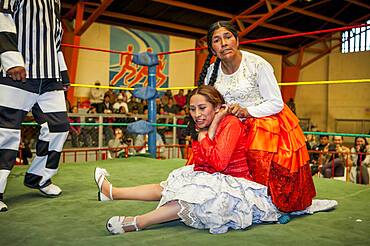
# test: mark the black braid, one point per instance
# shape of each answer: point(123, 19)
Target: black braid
point(206, 65)
point(216, 66)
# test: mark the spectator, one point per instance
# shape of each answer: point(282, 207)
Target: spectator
point(317, 158)
point(120, 103)
point(118, 144)
point(132, 103)
point(291, 105)
point(96, 95)
point(164, 99)
point(182, 133)
point(168, 93)
point(141, 144)
point(161, 130)
point(188, 94)
point(74, 131)
point(90, 133)
point(112, 96)
point(360, 155)
point(336, 160)
point(180, 99)
point(158, 104)
point(171, 107)
point(310, 144)
point(106, 107)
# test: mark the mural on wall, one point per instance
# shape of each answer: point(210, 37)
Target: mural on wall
point(123, 72)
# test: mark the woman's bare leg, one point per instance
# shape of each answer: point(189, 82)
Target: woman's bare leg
point(165, 213)
point(149, 192)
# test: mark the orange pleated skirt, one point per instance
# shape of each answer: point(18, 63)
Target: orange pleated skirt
point(277, 157)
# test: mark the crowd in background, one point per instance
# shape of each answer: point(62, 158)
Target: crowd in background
point(334, 159)
point(329, 157)
point(129, 109)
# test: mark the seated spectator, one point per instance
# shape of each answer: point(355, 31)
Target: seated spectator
point(96, 95)
point(168, 93)
point(188, 95)
point(120, 103)
point(158, 104)
point(90, 133)
point(164, 99)
point(171, 107)
point(144, 107)
point(117, 145)
point(133, 102)
point(112, 96)
point(161, 130)
point(291, 105)
point(74, 131)
point(336, 161)
point(183, 133)
point(310, 144)
point(141, 144)
point(106, 106)
point(122, 111)
point(135, 112)
point(360, 155)
point(317, 158)
point(180, 99)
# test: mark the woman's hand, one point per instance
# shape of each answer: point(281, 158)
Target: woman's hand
point(220, 114)
point(238, 111)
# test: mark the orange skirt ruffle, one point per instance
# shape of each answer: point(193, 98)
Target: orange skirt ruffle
point(279, 134)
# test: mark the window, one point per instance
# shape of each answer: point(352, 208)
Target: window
point(356, 39)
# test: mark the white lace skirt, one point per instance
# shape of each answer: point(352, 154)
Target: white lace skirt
point(216, 201)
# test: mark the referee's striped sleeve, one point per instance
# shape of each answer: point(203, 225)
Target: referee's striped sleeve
point(9, 54)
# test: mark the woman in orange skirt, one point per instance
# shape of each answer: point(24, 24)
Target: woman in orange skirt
point(276, 150)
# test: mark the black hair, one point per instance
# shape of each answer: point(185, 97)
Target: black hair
point(366, 142)
point(207, 63)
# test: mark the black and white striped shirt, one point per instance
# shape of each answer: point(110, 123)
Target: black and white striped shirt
point(30, 36)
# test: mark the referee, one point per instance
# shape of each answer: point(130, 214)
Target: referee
point(33, 77)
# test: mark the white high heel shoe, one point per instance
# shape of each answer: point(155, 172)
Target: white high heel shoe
point(99, 176)
point(117, 225)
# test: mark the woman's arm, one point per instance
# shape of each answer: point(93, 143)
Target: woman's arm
point(270, 92)
point(218, 151)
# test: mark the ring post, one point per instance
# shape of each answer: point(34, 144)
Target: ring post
point(151, 61)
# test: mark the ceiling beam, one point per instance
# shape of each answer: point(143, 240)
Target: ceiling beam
point(359, 3)
point(95, 15)
point(265, 17)
point(195, 8)
point(362, 18)
point(143, 20)
point(275, 27)
point(311, 14)
point(273, 46)
point(253, 8)
point(307, 7)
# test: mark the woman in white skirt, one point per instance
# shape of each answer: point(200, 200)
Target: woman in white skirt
point(214, 193)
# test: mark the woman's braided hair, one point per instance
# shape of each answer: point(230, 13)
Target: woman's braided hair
point(226, 24)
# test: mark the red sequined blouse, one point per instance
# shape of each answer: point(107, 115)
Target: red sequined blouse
point(225, 153)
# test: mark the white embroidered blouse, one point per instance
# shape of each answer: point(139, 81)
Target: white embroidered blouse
point(253, 86)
